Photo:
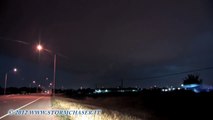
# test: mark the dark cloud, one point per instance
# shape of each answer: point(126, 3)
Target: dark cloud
point(112, 40)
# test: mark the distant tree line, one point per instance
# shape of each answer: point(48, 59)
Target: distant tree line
point(22, 90)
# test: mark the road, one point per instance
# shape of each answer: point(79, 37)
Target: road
point(26, 102)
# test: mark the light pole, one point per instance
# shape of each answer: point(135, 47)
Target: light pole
point(38, 86)
point(5, 80)
point(34, 82)
point(40, 48)
point(54, 73)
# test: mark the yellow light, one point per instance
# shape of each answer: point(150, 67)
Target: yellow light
point(39, 47)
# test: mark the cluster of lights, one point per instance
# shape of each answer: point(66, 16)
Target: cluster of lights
point(39, 47)
point(106, 91)
point(101, 91)
point(170, 89)
point(121, 91)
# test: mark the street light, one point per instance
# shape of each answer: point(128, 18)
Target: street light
point(5, 80)
point(34, 82)
point(15, 69)
point(38, 86)
point(40, 48)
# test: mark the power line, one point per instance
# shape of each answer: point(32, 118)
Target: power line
point(173, 74)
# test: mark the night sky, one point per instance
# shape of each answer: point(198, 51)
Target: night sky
point(101, 42)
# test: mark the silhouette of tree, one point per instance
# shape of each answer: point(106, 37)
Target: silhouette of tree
point(192, 79)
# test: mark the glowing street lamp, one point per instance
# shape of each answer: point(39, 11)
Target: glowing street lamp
point(39, 47)
point(5, 80)
point(15, 70)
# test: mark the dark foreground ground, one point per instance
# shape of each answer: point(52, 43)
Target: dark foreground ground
point(157, 105)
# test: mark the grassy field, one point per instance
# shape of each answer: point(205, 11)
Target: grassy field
point(70, 104)
point(144, 106)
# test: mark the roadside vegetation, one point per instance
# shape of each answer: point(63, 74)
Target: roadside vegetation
point(65, 104)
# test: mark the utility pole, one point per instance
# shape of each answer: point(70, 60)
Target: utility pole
point(54, 73)
point(5, 84)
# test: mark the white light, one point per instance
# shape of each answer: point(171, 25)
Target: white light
point(178, 88)
point(181, 85)
point(15, 70)
point(97, 91)
point(134, 90)
point(169, 89)
point(165, 90)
